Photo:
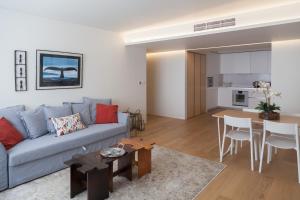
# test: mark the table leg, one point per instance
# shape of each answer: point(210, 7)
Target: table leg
point(110, 177)
point(125, 165)
point(97, 184)
point(76, 179)
point(219, 136)
point(144, 162)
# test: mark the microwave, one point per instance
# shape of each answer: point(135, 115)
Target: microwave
point(240, 98)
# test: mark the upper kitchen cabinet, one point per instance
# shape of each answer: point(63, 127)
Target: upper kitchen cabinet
point(260, 62)
point(257, 62)
point(235, 63)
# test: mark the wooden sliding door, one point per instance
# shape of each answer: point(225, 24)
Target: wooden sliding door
point(197, 105)
point(190, 85)
point(196, 73)
point(203, 84)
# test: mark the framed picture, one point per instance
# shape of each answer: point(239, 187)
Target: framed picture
point(58, 70)
point(21, 84)
point(20, 57)
point(20, 71)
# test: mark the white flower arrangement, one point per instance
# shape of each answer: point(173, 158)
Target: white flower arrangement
point(265, 88)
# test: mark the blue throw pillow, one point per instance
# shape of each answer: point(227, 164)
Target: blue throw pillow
point(12, 115)
point(93, 103)
point(55, 112)
point(83, 109)
point(34, 122)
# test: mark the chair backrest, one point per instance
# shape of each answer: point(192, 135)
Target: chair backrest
point(281, 128)
point(237, 122)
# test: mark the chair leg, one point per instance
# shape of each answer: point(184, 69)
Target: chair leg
point(298, 163)
point(236, 146)
point(262, 153)
point(255, 150)
point(251, 154)
point(269, 153)
point(276, 150)
point(222, 149)
point(259, 143)
point(231, 146)
point(241, 143)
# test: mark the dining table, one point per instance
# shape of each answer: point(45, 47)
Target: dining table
point(284, 118)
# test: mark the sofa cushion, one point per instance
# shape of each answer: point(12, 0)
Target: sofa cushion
point(83, 109)
point(34, 122)
point(55, 111)
point(68, 124)
point(29, 150)
point(12, 115)
point(93, 102)
point(106, 114)
point(9, 135)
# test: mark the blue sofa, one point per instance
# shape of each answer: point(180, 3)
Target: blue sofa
point(34, 158)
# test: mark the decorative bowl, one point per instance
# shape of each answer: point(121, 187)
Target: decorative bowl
point(113, 152)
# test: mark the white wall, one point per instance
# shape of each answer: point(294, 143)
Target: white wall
point(166, 81)
point(285, 74)
point(212, 70)
point(109, 69)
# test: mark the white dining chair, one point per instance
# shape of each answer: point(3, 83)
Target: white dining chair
point(282, 136)
point(235, 134)
point(270, 149)
point(256, 131)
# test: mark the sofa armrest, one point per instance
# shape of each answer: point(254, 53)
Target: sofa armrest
point(124, 119)
point(3, 168)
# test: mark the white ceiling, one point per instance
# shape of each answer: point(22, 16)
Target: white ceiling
point(235, 48)
point(125, 15)
point(266, 34)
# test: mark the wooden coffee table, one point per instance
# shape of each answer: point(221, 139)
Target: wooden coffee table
point(143, 149)
point(94, 173)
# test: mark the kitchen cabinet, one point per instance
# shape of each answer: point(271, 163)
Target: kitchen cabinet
point(211, 98)
point(260, 62)
point(225, 97)
point(254, 98)
point(253, 102)
point(226, 64)
point(235, 63)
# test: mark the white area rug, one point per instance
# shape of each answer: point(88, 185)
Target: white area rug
point(175, 176)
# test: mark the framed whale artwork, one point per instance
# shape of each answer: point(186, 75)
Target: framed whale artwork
point(58, 70)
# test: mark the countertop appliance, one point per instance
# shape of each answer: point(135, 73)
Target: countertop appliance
point(240, 98)
point(256, 84)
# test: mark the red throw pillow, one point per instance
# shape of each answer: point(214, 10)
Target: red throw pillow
point(106, 114)
point(9, 135)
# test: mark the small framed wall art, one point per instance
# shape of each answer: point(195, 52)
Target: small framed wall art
point(20, 70)
point(58, 70)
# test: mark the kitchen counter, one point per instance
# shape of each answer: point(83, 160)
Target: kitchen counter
point(239, 88)
point(225, 96)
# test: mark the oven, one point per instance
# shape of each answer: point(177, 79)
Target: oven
point(240, 98)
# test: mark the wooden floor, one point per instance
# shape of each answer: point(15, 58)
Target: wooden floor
point(198, 137)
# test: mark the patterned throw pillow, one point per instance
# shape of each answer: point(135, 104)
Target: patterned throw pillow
point(68, 124)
